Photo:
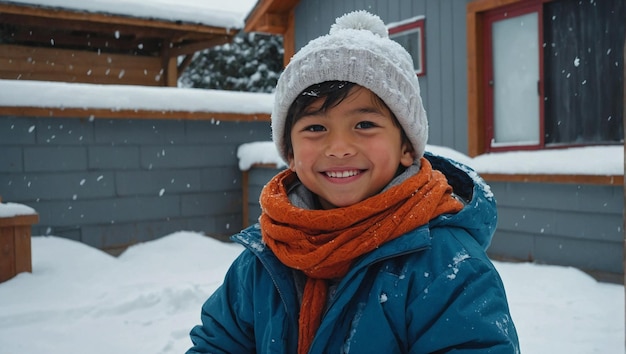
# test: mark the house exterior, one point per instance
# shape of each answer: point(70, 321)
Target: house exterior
point(500, 76)
point(111, 176)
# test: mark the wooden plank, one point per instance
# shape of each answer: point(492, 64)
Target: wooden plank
point(289, 39)
point(75, 57)
point(256, 16)
point(475, 127)
point(170, 66)
point(570, 179)
point(45, 64)
point(23, 258)
point(7, 256)
point(19, 220)
point(485, 5)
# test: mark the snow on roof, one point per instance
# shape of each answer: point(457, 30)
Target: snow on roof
point(218, 13)
point(47, 94)
point(591, 160)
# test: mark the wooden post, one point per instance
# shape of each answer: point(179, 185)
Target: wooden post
point(15, 253)
point(245, 190)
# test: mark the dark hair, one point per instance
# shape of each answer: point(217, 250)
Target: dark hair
point(333, 93)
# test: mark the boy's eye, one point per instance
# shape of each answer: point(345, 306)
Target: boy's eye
point(365, 125)
point(314, 128)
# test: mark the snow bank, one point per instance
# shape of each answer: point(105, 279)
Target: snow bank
point(591, 160)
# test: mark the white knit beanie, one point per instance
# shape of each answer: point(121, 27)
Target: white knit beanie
point(358, 50)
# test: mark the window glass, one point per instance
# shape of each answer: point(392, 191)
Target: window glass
point(583, 69)
point(515, 81)
point(410, 34)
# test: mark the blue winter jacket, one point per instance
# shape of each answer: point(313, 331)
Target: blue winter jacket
point(432, 290)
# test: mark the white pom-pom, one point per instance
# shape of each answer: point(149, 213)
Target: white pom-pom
point(361, 20)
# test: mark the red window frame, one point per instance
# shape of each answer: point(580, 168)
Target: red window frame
point(415, 24)
point(492, 16)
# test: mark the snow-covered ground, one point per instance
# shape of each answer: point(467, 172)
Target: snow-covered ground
point(81, 300)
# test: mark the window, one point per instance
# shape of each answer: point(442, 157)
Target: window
point(410, 34)
point(552, 74)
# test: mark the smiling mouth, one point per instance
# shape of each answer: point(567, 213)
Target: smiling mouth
point(342, 174)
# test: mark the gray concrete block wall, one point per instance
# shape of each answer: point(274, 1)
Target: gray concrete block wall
point(114, 182)
point(561, 224)
point(257, 178)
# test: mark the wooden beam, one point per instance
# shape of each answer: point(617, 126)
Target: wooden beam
point(199, 46)
point(274, 23)
point(100, 113)
point(475, 121)
point(257, 13)
point(184, 64)
point(289, 38)
point(550, 178)
point(171, 72)
point(270, 16)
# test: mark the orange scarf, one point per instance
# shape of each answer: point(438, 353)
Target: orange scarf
point(324, 243)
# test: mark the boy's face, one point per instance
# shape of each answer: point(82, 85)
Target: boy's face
point(348, 152)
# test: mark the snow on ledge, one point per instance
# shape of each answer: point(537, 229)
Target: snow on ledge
point(259, 152)
point(48, 94)
point(593, 160)
point(9, 210)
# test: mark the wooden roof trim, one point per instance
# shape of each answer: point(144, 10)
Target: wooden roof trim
point(111, 19)
point(272, 23)
point(198, 46)
point(271, 16)
point(256, 17)
point(100, 113)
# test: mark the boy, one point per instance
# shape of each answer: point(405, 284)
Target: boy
point(364, 245)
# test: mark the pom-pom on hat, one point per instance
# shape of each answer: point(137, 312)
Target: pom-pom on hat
point(357, 49)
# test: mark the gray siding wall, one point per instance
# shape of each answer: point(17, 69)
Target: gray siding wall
point(444, 87)
point(113, 182)
point(561, 224)
point(566, 224)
